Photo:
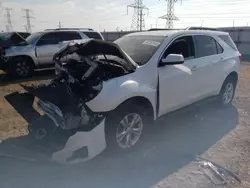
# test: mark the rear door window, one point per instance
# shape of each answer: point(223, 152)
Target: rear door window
point(68, 36)
point(205, 46)
point(49, 39)
point(93, 35)
point(219, 48)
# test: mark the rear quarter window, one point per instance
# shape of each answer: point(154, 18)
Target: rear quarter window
point(227, 39)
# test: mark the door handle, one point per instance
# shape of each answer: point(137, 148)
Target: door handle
point(194, 68)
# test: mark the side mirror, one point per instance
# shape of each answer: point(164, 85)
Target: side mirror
point(172, 59)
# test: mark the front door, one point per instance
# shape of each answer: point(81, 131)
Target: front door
point(177, 82)
point(46, 47)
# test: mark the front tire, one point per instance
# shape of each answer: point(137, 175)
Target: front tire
point(21, 67)
point(125, 127)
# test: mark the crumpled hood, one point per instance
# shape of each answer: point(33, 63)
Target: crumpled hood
point(89, 47)
point(14, 40)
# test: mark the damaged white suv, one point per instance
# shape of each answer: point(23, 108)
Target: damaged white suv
point(138, 78)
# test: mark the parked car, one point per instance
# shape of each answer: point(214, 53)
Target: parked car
point(137, 79)
point(39, 48)
point(8, 39)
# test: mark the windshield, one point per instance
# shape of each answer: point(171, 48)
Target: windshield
point(140, 48)
point(33, 38)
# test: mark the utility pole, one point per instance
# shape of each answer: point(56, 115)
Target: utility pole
point(28, 17)
point(169, 17)
point(9, 27)
point(138, 21)
point(59, 25)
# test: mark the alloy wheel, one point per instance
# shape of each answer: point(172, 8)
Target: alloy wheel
point(129, 130)
point(227, 96)
point(22, 68)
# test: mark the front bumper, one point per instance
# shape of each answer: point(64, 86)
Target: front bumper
point(94, 141)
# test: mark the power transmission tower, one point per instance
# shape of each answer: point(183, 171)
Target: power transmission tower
point(28, 17)
point(170, 17)
point(8, 18)
point(138, 21)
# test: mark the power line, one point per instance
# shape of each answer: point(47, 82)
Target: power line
point(8, 18)
point(138, 21)
point(28, 17)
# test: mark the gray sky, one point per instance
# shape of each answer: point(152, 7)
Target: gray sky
point(110, 14)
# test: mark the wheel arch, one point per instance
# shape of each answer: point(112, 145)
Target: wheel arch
point(141, 101)
point(232, 75)
point(23, 56)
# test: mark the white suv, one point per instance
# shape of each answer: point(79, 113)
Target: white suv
point(138, 78)
point(165, 81)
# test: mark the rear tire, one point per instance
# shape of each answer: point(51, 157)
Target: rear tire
point(125, 128)
point(227, 91)
point(21, 67)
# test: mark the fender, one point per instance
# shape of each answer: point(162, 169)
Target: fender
point(116, 91)
point(28, 51)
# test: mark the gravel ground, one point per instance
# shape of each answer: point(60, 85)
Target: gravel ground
point(165, 159)
point(232, 151)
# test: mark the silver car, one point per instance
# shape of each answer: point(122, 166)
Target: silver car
point(38, 49)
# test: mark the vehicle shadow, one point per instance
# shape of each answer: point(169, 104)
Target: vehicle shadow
point(37, 76)
point(169, 144)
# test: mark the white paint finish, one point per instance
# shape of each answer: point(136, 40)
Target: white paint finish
point(94, 140)
point(118, 90)
point(175, 87)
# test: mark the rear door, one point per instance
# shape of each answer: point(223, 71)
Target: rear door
point(51, 42)
point(46, 47)
point(209, 55)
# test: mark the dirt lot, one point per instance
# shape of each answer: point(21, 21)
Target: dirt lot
point(165, 159)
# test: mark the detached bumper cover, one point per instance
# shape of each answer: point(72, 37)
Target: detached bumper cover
point(94, 140)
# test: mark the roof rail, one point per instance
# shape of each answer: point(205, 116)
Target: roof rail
point(58, 29)
point(161, 29)
point(200, 28)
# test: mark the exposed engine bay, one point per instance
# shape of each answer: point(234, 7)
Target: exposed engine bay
point(81, 69)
